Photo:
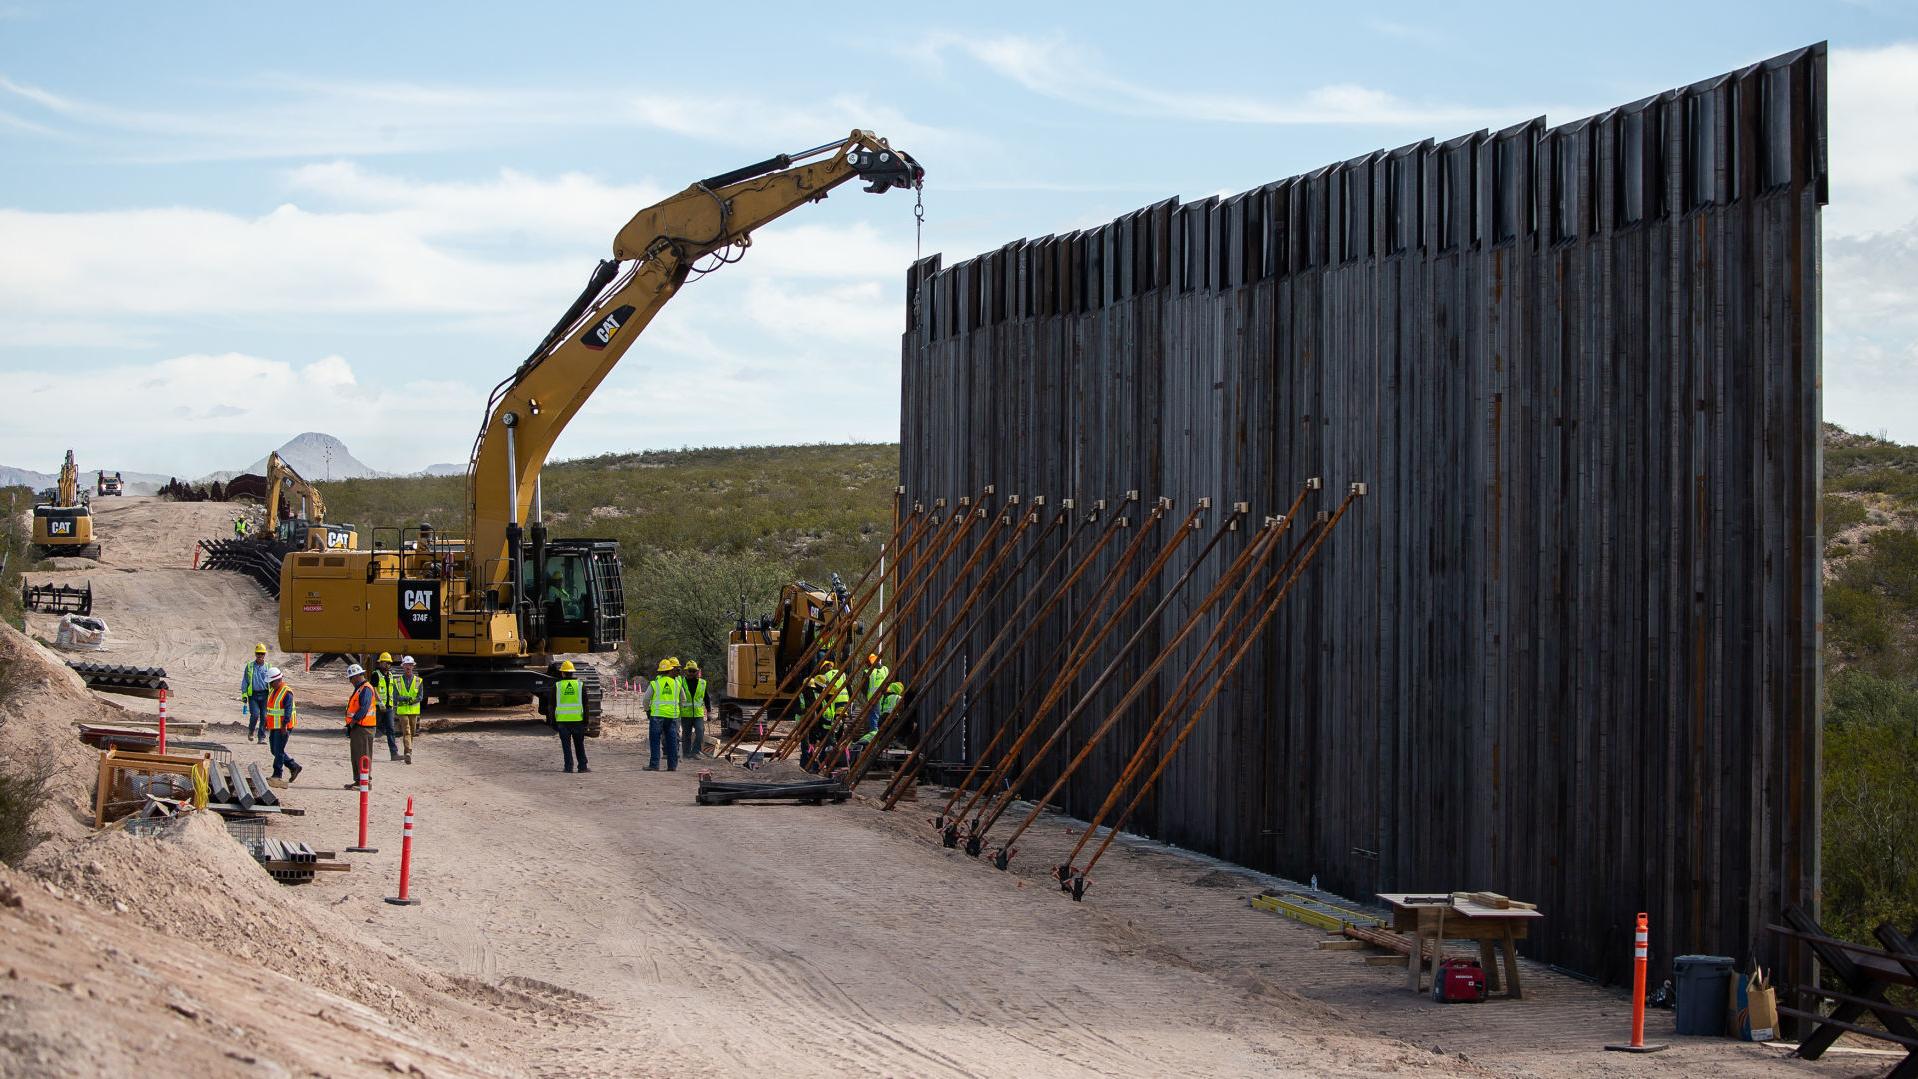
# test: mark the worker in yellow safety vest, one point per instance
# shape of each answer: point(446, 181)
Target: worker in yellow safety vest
point(281, 717)
point(662, 728)
point(253, 693)
point(569, 715)
point(877, 675)
point(692, 711)
point(408, 688)
point(382, 679)
point(362, 715)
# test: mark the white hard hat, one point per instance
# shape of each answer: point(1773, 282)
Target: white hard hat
point(353, 669)
point(272, 674)
point(407, 661)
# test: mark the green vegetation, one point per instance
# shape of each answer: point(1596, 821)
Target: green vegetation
point(15, 538)
point(23, 790)
point(699, 530)
point(1871, 660)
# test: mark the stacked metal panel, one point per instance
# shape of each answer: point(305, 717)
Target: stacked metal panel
point(1568, 647)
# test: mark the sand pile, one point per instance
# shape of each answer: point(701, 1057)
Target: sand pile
point(123, 954)
point(40, 701)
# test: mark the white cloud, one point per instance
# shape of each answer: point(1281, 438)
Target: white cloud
point(197, 413)
point(1874, 139)
point(293, 118)
point(1871, 331)
point(1056, 68)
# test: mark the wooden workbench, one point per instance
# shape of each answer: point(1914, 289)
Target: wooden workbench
point(1494, 929)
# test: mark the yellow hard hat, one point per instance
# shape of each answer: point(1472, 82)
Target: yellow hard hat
point(566, 666)
point(828, 664)
point(386, 657)
point(668, 664)
point(259, 650)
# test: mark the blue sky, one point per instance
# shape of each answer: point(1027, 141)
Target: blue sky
point(222, 224)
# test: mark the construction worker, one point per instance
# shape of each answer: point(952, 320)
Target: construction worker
point(877, 675)
point(662, 729)
point(382, 680)
point(239, 527)
point(407, 690)
point(888, 704)
point(692, 711)
point(281, 718)
point(569, 715)
point(362, 715)
point(253, 693)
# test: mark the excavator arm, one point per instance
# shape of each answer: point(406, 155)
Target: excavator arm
point(69, 493)
point(653, 256)
point(283, 481)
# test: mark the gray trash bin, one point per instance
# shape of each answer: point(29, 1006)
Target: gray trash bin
point(1704, 983)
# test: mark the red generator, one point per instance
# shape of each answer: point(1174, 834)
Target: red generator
point(1460, 981)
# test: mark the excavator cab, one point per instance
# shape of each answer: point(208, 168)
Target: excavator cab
point(577, 600)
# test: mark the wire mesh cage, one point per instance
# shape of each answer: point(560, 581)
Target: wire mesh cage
point(250, 832)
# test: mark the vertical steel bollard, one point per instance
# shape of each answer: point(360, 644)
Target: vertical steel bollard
point(162, 746)
point(1641, 954)
point(406, 861)
point(366, 797)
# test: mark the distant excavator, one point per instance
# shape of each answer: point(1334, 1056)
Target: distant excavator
point(296, 514)
point(488, 613)
point(63, 524)
point(813, 623)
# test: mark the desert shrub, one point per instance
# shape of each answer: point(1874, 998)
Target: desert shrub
point(1870, 804)
point(23, 790)
point(1842, 513)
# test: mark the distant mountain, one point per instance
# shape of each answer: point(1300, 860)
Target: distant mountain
point(316, 456)
point(442, 470)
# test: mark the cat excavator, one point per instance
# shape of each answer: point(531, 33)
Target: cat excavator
point(489, 613)
point(63, 524)
point(296, 514)
point(812, 624)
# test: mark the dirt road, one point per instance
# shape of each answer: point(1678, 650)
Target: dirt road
point(758, 940)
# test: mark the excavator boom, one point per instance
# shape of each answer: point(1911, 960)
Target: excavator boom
point(653, 256)
point(487, 611)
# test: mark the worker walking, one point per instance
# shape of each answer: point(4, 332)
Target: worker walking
point(569, 716)
point(692, 712)
point(382, 679)
point(362, 714)
point(662, 728)
point(407, 690)
point(281, 717)
point(253, 687)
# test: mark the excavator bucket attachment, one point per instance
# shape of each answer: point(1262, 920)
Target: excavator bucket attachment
point(57, 598)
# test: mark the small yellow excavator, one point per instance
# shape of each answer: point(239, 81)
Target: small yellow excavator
point(63, 524)
point(296, 514)
point(812, 624)
point(488, 613)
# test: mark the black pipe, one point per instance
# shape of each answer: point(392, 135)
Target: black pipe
point(771, 164)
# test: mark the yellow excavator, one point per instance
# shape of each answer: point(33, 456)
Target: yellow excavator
point(296, 514)
point(807, 628)
point(487, 614)
point(63, 524)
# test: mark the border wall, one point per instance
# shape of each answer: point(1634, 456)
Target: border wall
point(1568, 647)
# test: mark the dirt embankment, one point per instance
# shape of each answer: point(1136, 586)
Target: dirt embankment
point(123, 955)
